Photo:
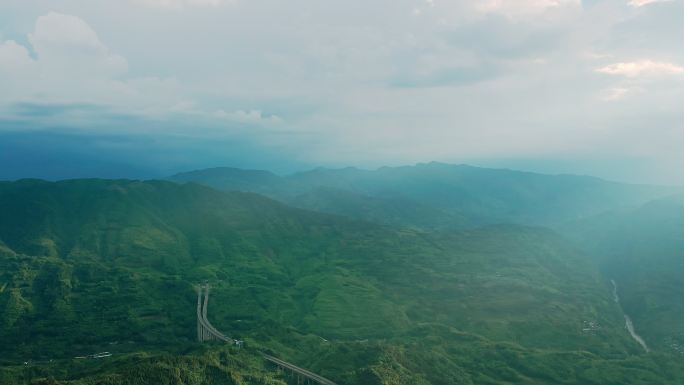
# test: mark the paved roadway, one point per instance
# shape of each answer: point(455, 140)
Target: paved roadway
point(297, 369)
point(202, 317)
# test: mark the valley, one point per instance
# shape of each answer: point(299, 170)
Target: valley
point(352, 301)
point(268, 192)
point(629, 325)
point(113, 266)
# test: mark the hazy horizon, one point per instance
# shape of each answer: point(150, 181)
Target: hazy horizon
point(388, 192)
point(123, 172)
point(150, 87)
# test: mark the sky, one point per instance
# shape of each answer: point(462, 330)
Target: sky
point(145, 88)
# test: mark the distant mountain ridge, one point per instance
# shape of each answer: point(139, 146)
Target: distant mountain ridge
point(436, 195)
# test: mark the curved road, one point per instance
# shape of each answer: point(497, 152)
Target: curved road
point(202, 316)
point(204, 322)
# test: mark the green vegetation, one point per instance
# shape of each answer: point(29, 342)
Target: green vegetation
point(204, 366)
point(94, 265)
point(643, 250)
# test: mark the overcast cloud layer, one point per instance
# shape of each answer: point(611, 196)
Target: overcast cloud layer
point(553, 85)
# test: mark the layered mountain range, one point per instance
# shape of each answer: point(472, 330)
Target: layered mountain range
point(431, 274)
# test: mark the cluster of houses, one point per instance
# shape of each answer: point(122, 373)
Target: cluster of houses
point(590, 327)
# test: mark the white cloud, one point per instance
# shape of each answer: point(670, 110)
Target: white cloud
point(72, 65)
point(57, 30)
point(642, 68)
point(13, 57)
point(330, 70)
point(596, 55)
point(247, 116)
point(17, 69)
point(515, 8)
point(426, 4)
point(180, 4)
point(616, 94)
point(641, 3)
point(67, 43)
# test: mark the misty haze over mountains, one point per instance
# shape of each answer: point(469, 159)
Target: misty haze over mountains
point(363, 276)
point(436, 195)
point(415, 192)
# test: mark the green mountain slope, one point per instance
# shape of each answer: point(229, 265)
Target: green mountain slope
point(95, 265)
point(643, 250)
point(383, 209)
point(436, 196)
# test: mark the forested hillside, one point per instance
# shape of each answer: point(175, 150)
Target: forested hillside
point(643, 250)
point(99, 265)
